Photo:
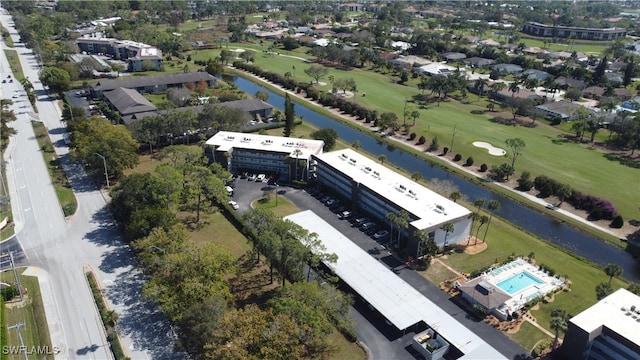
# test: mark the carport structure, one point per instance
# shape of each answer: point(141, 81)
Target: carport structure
point(400, 303)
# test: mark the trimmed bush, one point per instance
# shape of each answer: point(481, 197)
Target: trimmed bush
point(477, 112)
point(9, 293)
point(434, 144)
point(617, 222)
point(483, 168)
point(412, 136)
point(469, 161)
point(525, 183)
point(422, 140)
point(445, 150)
point(458, 157)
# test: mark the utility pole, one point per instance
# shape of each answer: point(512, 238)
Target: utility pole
point(15, 274)
point(106, 173)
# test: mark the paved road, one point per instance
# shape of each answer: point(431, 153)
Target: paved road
point(65, 247)
point(383, 340)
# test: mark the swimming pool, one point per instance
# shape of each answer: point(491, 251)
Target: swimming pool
point(518, 282)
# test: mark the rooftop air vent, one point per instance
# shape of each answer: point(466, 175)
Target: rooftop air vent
point(344, 157)
point(352, 161)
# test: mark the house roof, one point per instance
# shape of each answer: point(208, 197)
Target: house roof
point(622, 92)
point(454, 56)
point(144, 81)
point(484, 293)
point(128, 101)
point(536, 74)
point(562, 108)
point(510, 68)
point(248, 105)
point(594, 90)
point(479, 61)
point(489, 42)
point(570, 82)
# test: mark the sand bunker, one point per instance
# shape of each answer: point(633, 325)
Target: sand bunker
point(495, 151)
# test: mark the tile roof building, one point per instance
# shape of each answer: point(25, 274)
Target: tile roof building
point(128, 101)
point(153, 84)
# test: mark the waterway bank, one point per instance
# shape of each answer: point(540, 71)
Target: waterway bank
point(531, 217)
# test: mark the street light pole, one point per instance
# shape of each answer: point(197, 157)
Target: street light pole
point(106, 173)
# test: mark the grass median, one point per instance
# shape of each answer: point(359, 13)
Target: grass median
point(60, 182)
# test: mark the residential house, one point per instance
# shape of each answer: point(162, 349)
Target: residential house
point(454, 56)
point(565, 110)
point(437, 69)
point(522, 93)
point(567, 82)
point(489, 42)
point(613, 78)
point(508, 68)
point(622, 94)
point(632, 105)
point(478, 62)
point(593, 92)
point(536, 74)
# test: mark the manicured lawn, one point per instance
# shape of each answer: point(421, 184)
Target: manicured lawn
point(157, 99)
point(14, 63)
point(587, 170)
point(503, 240)
point(283, 208)
point(36, 331)
point(65, 194)
point(528, 336)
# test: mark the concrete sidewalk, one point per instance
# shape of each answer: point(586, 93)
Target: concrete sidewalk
point(56, 333)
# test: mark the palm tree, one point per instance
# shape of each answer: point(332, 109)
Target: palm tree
point(493, 206)
point(483, 220)
point(478, 203)
point(356, 145)
point(455, 196)
point(480, 85)
point(421, 237)
point(391, 218)
point(382, 158)
point(111, 318)
point(402, 222)
point(558, 323)
point(296, 154)
point(447, 228)
point(415, 114)
point(416, 176)
point(514, 87)
point(613, 270)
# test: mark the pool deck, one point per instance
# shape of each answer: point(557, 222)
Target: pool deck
point(518, 299)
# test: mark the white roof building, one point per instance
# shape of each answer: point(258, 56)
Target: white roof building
point(611, 326)
point(395, 299)
point(430, 208)
point(226, 140)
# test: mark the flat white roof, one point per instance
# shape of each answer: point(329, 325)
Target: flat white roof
point(394, 298)
point(430, 208)
point(609, 312)
point(225, 140)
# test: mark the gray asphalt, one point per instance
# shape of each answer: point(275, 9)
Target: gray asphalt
point(383, 340)
point(66, 247)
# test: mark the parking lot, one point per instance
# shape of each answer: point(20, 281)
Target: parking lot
point(383, 340)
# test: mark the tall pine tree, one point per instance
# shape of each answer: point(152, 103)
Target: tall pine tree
point(289, 116)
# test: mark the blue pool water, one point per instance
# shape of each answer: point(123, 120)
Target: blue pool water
point(518, 282)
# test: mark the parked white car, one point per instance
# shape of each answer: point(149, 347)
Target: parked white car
point(234, 205)
point(261, 177)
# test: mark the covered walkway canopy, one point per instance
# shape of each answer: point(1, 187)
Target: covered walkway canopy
point(394, 298)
